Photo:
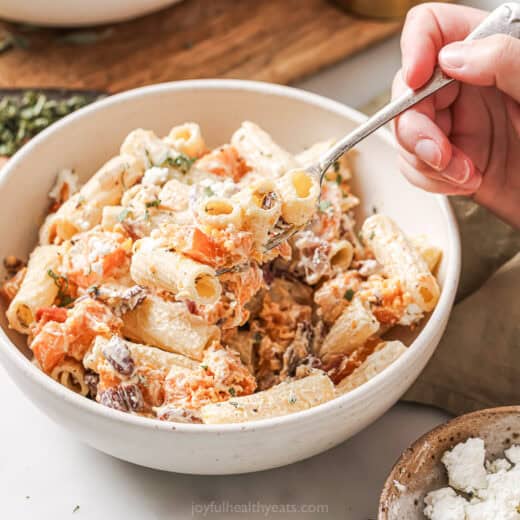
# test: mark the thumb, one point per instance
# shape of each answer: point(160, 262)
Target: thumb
point(492, 61)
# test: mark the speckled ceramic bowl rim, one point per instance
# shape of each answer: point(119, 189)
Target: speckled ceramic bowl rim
point(429, 438)
point(420, 343)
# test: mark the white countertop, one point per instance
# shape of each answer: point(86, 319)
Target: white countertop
point(45, 473)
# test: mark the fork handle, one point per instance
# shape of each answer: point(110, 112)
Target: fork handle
point(503, 20)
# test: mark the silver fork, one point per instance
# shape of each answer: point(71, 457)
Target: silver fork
point(503, 20)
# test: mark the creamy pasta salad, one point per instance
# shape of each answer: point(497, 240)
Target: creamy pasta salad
point(124, 301)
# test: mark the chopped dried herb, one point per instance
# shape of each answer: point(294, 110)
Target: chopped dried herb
point(76, 508)
point(208, 192)
point(336, 166)
point(339, 179)
point(233, 403)
point(62, 283)
point(182, 162)
point(349, 294)
point(292, 399)
point(22, 117)
point(232, 391)
point(204, 367)
point(154, 204)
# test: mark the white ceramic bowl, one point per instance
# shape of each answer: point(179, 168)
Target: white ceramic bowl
point(296, 119)
point(72, 13)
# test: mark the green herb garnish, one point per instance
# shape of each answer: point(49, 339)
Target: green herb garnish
point(349, 294)
point(22, 117)
point(182, 162)
point(339, 179)
point(324, 205)
point(208, 192)
point(154, 204)
point(62, 283)
point(232, 391)
point(204, 367)
point(336, 166)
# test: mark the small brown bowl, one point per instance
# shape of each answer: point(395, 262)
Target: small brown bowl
point(419, 470)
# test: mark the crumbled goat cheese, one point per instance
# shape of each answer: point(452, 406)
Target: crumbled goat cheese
point(155, 176)
point(99, 249)
point(444, 504)
point(225, 188)
point(369, 267)
point(498, 498)
point(412, 314)
point(513, 454)
point(465, 465)
point(494, 466)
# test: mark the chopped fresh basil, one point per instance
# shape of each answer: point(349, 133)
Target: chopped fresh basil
point(349, 294)
point(182, 162)
point(154, 204)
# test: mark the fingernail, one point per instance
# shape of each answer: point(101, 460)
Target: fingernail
point(452, 56)
point(461, 175)
point(428, 151)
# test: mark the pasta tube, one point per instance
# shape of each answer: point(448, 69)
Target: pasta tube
point(261, 206)
point(169, 326)
point(38, 289)
point(341, 254)
point(83, 210)
point(219, 212)
point(260, 151)
point(175, 273)
point(300, 191)
point(400, 259)
point(430, 254)
point(146, 148)
point(187, 139)
point(281, 399)
point(351, 330)
point(70, 373)
point(384, 355)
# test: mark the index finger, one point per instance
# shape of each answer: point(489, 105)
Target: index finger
point(428, 28)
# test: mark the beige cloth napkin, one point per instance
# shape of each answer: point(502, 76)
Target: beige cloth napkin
point(477, 363)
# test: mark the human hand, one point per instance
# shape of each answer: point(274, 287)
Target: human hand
point(465, 139)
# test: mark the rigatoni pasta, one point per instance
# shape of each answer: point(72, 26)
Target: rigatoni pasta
point(152, 291)
point(38, 289)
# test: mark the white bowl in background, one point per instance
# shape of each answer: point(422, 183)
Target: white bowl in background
point(77, 13)
point(296, 119)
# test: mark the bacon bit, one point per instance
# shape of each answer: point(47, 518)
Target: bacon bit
point(224, 162)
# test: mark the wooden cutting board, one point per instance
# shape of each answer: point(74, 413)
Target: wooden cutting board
point(270, 40)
